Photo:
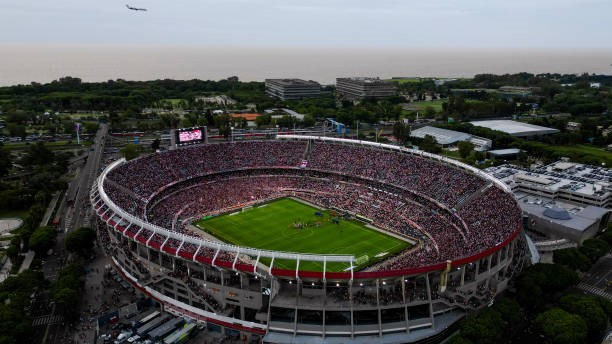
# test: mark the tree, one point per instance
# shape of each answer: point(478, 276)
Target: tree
point(90, 127)
point(429, 144)
point(541, 282)
point(308, 121)
point(263, 120)
point(561, 327)
point(401, 132)
point(42, 240)
point(594, 248)
point(5, 161)
point(66, 290)
point(485, 327)
point(37, 155)
point(155, 144)
point(458, 339)
point(16, 130)
point(510, 311)
point(80, 241)
point(430, 112)
point(573, 258)
point(130, 151)
point(589, 310)
point(465, 148)
point(607, 235)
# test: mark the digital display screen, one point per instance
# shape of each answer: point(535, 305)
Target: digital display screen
point(190, 135)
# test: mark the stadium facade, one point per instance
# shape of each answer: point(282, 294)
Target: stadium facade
point(466, 226)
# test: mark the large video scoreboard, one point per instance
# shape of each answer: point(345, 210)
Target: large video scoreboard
point(189, 136)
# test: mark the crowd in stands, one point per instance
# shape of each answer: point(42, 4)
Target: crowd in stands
point(148, 174)
point(443, 183)
point(409, 195)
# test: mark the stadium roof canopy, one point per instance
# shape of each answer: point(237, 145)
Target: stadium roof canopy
point(443, 136)
point(515, 128)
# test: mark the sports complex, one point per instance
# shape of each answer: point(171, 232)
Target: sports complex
point(307, 239)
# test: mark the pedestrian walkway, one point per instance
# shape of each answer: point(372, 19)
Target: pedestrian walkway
point(47, 320)
point(27, 261)
point(594, 290)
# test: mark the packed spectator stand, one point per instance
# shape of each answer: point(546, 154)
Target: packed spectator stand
point(426, 201)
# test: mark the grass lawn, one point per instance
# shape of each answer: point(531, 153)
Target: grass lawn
point(595, 155)
point(174, 101)
point(414, 80)
point(271, 226)
point(22, 214)
point(452, 154)
point(436, 104)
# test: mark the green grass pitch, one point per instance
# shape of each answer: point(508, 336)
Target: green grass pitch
point(272, 227)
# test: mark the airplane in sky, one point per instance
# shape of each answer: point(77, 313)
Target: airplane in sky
point(135, 8)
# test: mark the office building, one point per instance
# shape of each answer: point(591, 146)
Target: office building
point(292, 89)
point(358, 88)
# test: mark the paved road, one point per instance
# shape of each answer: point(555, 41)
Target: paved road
point(88, 175)
point(597, 281)
point(72, 212)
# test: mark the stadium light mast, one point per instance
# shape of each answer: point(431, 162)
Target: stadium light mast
point(77, 128)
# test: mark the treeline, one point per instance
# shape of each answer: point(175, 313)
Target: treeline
point(42, 173)
point(539, 311)
point(534, 80)
point(541, 306)
point(71, 94)
point(544, 149)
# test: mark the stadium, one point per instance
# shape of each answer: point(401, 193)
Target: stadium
point(307, 239)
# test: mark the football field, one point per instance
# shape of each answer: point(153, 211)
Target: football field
point(289, 225)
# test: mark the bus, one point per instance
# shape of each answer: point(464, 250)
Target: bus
point(181, 335)
point(166, 328)
point(151, 325)
point(146, 319)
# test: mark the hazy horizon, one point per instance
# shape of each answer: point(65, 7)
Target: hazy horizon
point(25, 63)
point(573, 24)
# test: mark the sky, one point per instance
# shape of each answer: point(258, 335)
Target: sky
point(305, 23)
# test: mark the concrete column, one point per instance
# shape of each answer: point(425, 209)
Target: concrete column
point(405, 304)
point(429, 300)
point(378, 307)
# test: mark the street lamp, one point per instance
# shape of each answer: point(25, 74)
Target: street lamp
point(232, 131)
point(277, 130)
point(376, 132)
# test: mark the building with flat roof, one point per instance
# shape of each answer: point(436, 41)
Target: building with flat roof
point(514, 128)
point(446, 137)
point(358, 88)
point(250, 118)
point(563, 203)
point(560, 181)
point(219, 100)
point(504, 153)
point(553, 220)
point(279, 113)
point(292, 89)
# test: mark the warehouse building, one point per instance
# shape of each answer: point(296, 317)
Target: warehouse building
point(446, 137)
point(514, 128)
